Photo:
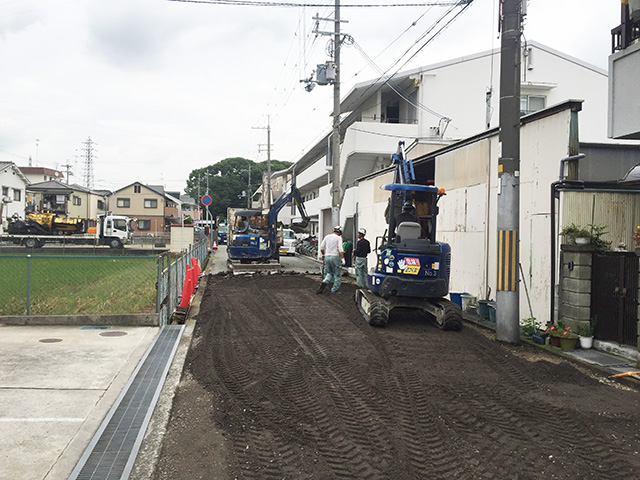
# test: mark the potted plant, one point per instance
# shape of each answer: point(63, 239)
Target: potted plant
point(596, 237)
point(568, 339)
point(592, 234)
point(529, 328)
point(585, 333)
point(574, 234)
point(554, 332)
point(636, 238)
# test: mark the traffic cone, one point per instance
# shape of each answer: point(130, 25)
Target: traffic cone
point(195, 265)
point(215, 245)
point(187, 288)
point(194, 274)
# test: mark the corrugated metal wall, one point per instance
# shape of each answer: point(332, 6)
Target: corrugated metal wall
point(619, 212)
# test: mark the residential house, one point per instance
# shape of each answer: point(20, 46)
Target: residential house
point(41, 174)
point(86, 203)
point(189, 206)
point(154, 209)
point(13, 194)
point(73, 201)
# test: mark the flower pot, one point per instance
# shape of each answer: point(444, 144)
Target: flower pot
point(555, 341)
point(582, 241)
point(467, 301)
point(568, 343)
point(538, 338)
point(586, 342)
point(492, 311)
point(483, 308)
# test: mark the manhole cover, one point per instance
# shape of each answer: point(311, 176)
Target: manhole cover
point(113, 334)
point(50, 340)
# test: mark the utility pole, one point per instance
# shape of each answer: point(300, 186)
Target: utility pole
point(507, 295)
point(268, 129)
point(68, 168)
point(330, 74)
point(335, 135)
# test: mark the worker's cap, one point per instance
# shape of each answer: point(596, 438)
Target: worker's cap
point(362, 231)
point(408, 205)
point(337, 228)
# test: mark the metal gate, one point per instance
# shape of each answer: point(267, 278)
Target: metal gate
point(614, 297)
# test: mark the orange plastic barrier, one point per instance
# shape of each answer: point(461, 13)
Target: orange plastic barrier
point(187, 288)
point(196, 266)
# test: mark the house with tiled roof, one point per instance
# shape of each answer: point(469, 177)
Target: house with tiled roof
point(154, 208)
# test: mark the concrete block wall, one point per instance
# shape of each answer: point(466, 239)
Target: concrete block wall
point(575, 284)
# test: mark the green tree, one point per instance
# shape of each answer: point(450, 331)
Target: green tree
point(227, 180)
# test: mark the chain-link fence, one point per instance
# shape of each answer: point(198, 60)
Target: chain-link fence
point(82, 284)
point(77, 284)
point(171, 275)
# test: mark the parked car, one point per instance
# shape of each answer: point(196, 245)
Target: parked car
point(222, 233)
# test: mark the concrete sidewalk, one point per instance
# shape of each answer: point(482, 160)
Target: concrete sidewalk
point(56, 385)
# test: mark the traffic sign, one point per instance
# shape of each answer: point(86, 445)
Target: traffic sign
point(206, 200)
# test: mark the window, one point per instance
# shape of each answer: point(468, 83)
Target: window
point(136, 189)
point(5, 191)
point(120, 224)
point(77, 200)
point(144, 224)
point(100, 205)
point(123, 203)
point(531, 103)
point(17, 194)
point(150, 203)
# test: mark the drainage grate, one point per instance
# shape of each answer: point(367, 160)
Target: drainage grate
point(113, 449)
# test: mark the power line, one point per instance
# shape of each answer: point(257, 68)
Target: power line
point(255, 3)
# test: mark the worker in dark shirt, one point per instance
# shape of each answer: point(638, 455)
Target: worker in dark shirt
point(408, 214)
point(363, 248)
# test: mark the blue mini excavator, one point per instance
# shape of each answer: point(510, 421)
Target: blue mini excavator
point(412, 268)
point(254, 239)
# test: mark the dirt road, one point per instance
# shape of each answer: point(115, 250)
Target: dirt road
point(283, 383)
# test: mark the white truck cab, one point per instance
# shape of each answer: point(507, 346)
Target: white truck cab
point(289, 242)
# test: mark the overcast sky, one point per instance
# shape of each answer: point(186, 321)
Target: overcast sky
point(165, 87)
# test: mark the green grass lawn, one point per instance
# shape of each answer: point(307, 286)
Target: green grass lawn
point(63, 284)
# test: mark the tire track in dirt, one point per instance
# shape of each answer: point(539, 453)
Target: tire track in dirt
point(304, 388)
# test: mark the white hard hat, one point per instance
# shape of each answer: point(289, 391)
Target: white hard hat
point(362, 231)
point(337, 228)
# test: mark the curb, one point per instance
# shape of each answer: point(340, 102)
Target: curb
point(630, 382)
point(120, 320)
point(151, 447)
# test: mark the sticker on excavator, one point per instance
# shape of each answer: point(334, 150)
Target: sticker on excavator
point(409, 265)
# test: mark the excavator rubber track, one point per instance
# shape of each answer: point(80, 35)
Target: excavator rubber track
point(445, 314)
point(374, 309)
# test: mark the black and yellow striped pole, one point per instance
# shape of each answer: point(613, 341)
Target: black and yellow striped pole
point(507, 295)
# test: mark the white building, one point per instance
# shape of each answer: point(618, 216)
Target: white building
point(13, 194)
point(437, 105)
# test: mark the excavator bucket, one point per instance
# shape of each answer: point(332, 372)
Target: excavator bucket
point(300, 227)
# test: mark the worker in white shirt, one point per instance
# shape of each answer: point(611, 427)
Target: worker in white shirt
point(333, 258)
